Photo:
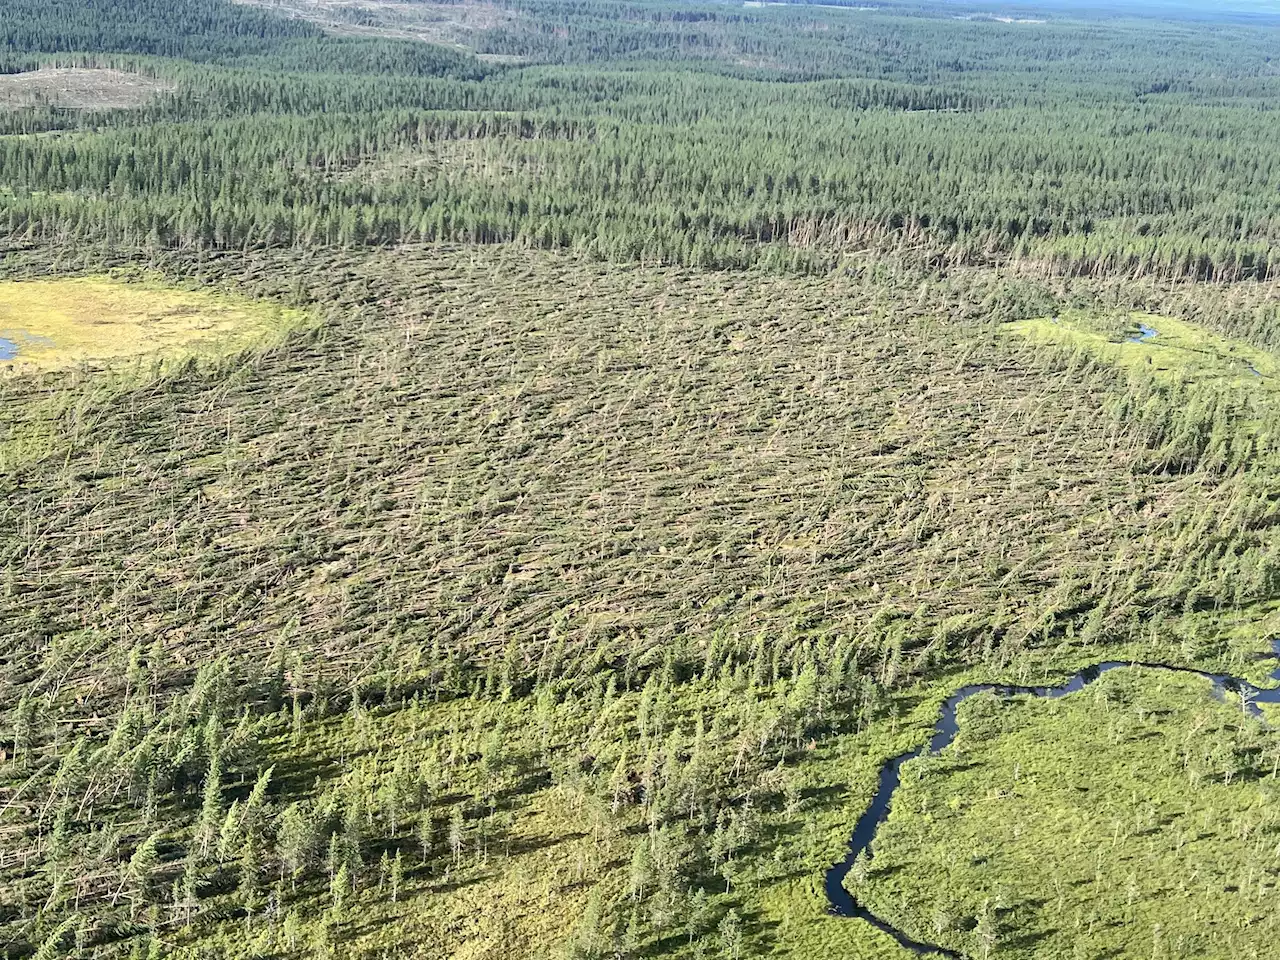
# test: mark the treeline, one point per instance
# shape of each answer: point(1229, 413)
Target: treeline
point(380, 59)
point(216, 31)
point(669, 168)
point(926, 45)
point(1088, 150)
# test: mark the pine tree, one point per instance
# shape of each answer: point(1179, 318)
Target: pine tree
point(339, 888)
point(250, 891)
point(211, 815)
point(24, 726)
point(426, 835)
point(457, 834)
point(731, 935)
point(140, 870)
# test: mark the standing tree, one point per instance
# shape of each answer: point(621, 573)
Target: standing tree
point(211, 818)
point(731, 936)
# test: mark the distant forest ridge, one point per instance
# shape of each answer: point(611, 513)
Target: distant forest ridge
point(1229, 11)
point(703, 134)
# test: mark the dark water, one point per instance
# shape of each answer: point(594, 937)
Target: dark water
point(8, 349)
point(1144, 333)
point(842, 902)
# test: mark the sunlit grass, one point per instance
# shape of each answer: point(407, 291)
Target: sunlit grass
point(66, 322)
point(1136, 818)
point(1178, 351)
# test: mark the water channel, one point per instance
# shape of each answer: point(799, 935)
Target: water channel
point(844, 904)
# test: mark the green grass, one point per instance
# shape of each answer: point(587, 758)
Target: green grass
point(545, 866)
point(534, 856)
point(106, 334)
point(1181, 352)
point(69, 321)
point(1138, 818)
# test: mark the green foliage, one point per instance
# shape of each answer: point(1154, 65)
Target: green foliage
point(191, 29)
point(1084, 149)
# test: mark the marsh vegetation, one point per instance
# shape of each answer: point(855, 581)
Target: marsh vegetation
point(72, 321)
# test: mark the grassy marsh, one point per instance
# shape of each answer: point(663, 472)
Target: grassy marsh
point(1137, 817)
point(67, 321)
point(1177, 351)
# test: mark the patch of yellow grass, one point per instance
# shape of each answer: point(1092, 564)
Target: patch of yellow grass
point(69, 321)
point(1179, 351)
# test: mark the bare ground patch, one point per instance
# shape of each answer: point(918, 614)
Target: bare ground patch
point(447, 23)
point(78, 88)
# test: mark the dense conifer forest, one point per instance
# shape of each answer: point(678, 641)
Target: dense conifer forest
point(639, 419)
point(707, 136)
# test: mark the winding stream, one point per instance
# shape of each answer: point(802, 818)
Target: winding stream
point(842, 902)
point(8, 349)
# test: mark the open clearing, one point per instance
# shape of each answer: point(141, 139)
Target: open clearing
point(76, 88)
point(58, 323)
point(1171, 349)
point(449, 23)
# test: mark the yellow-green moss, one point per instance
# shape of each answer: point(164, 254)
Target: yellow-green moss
point(1180, 351)
point(68, 321)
